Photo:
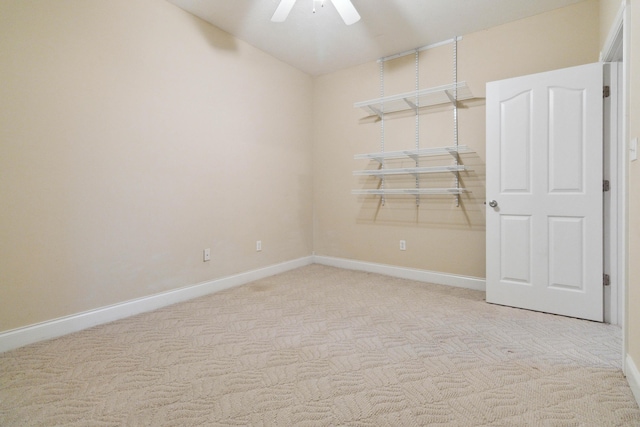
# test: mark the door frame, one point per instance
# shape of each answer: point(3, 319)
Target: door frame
point(611, 172)
point(616, 44)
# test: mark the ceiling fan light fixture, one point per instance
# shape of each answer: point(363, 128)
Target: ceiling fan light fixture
point(345, 8)
point(317, 3)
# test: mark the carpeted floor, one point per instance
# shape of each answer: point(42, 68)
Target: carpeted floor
point(320, 346)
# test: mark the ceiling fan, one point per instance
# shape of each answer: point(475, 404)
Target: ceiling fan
point(345, 8)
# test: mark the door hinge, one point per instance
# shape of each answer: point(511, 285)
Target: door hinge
point(605, 185)
point(606, 281)
point(606, 92)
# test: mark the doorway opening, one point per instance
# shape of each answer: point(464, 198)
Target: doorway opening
point(615, 51)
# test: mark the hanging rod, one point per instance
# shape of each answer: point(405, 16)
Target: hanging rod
point(420, 49)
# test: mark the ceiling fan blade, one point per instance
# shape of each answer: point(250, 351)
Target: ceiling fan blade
point(283, 10)
point(347, 11)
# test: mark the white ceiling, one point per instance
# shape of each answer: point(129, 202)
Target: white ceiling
point(321, 43)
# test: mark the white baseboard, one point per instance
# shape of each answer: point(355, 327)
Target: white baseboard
point(58, 327)
point(55, 328)
point(633, 377)
point(405, 273)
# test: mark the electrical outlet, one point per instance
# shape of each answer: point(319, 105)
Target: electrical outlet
point(258, 245)
point(633, 150)
point(403, 245)
point(206, 255)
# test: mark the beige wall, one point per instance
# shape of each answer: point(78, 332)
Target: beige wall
point(608, 11)
point(133, 136)
point(440, 236)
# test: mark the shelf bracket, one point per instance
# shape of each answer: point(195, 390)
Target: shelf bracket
point(451, 98)
point(414, 157)
point(411, 105)
point(375, 111)
point(453, 153)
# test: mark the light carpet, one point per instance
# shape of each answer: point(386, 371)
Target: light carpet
point(321, 346)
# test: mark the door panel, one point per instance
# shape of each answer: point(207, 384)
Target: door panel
point(516, 265)
point(566, 139)
point(515, 115)
point(544, 170)
point(566, 253)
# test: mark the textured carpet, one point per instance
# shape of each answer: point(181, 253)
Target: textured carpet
point(321, 346)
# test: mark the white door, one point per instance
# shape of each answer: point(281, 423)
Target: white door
point(544, 176)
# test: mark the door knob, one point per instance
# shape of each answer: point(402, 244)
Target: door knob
point(493, 203)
